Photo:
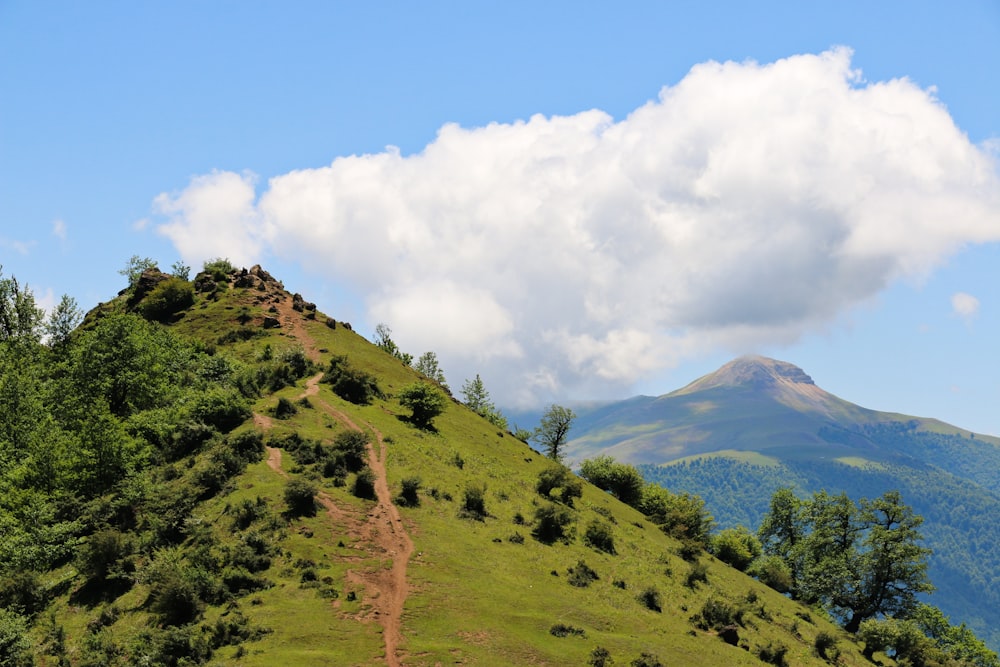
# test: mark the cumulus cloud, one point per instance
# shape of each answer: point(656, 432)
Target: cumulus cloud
point(746, 205)
point(964, 305)
point(213, 217)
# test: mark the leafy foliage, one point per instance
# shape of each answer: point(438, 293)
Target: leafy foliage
point(552, 432)
point(424, 402)
point(351, 384)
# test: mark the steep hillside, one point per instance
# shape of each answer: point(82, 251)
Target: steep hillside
point(738, 434)
point(248, 514)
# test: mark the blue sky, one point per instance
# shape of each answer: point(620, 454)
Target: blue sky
point(568, 198)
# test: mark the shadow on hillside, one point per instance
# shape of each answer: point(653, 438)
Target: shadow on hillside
point(96, 592)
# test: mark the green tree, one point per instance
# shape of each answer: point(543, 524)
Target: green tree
point(20, 317)
point(892, 564)
point(478, 400)
point(134, 268)
point(424, 402)
point(737, 547)
point(782, 530)
point(63, 319)
point(181, 270)
point(551, 434)
point(428, 365)
point(622, 480)
point(383, 339)
point(15, 647)
point(679, 515)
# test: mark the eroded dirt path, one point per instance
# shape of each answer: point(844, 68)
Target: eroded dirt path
point(381, 532)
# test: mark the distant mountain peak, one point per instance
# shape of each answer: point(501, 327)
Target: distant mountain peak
point(752, 371)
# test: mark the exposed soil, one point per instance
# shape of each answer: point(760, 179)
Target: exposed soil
point(381, 532)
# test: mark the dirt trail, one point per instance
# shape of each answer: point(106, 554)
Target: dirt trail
point(381, 531)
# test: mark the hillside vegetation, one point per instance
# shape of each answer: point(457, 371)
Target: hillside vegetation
point(214, 472)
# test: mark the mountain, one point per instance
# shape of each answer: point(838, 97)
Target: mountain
point(736, 435)
point(212, 471)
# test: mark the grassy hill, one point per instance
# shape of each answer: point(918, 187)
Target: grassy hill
point(209, 504)
point(757, 424)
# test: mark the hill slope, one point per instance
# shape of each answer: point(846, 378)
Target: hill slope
point(736, 435)
point(219, 502)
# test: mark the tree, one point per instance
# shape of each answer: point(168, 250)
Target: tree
point(551, 433)
point(63, 319)
point(478, 400)
point(20, 317)
point(737, 547)
point(680, 515)
point(424, 402)
point(428, 365)
point(181, 270)
point(892, 565)
point(383, 339)
point(623, 481)
point(134, 268)
point(782, 529)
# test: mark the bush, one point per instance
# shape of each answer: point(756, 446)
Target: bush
point(773, 653)
point(600, 657)
point(175, 599)
point(647, 659)
point(474, 503)
point(300, 497)
point(622, 480)
point(15, 646)
point(351, 384)
point(563, 630)
point(224, 409)
point(364, 484)
point(166, 299)
point(102, 554)
point(581, 575)
point(716, 614)
point(697, 573)
point(598, 536)
point(22, 592)
point(424, 402)
point(737, 547)
point(285, 409)
point(218, 268)
point(408, 494)
point(825, 645)
point(772, 571)
point(353, 446)
point(559, 477)
point(650, 599)
point(550, 523)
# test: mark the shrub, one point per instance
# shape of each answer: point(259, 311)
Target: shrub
point(697, 573)
point(647, 659)
point(424, 402)
point(300, 497)
point(550, 523)
point(737, 547)
point(773, 653)
point(285, 408)
point(581, 575)
point(622, 480)
point(175, 599)
point(559, 477)
point(248, 446)
point(598, 536)
point(101, 555)
point(408, 493)
point(516, 538)
point(351, 384)
point(473, 503)
point(563, 630)
point(22, 592)
point(218, 268)
point(248, 511)
point(166, 299)
point(364, 484)
point(716, 614)
point(772, 571)
point(650, 599)
point(825, 645)
point(353, 446)
point(600, 657)
point(15, 646)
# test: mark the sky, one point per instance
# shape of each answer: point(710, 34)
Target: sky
point(574, 200)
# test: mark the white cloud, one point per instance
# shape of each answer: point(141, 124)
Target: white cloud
point(964, 305)
point(20, 247)
point(59, 230)
point(748, 204)
point(213, 217)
